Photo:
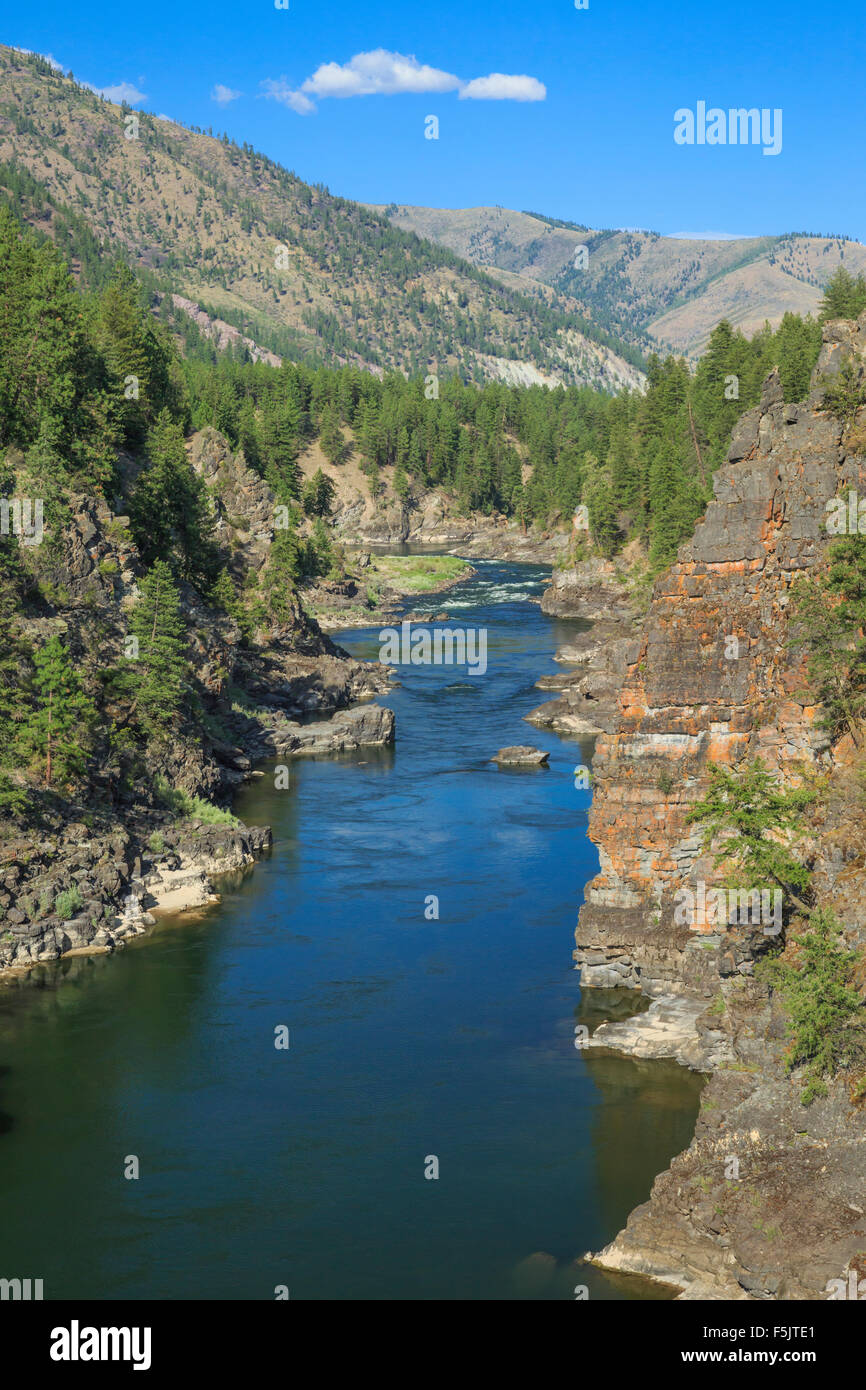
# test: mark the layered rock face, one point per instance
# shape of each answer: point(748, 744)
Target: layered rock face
point(712, 679)
point(767, 1201)
point(595, 591)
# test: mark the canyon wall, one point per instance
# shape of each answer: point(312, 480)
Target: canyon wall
point(712, 679)
point(767, 1203)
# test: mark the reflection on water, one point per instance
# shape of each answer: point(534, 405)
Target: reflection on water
point(411, 1036)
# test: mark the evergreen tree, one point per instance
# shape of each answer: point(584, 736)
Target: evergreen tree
point(321, 548)
point(170, 511)
point(14, 707)
point(674, 505)
point(820, 991)
point(280, 441)
point(401, 482)
point(756, 821)
point(155, 679)
point(331, 439)
point(318, 496)
point(844, 297)
point(831, 614)
point(59, 725)
point(600, 503)
point(122, 337)
point(284, 568)
point(52, 381)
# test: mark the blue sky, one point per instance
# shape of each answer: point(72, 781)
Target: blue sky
point(587, 134)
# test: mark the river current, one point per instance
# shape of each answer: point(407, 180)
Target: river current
point(413, 1036)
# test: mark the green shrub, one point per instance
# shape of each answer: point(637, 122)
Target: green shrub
point(192, 807)
point(843, 394)
point(156, 843)
point(823, 1005)
point(68, 901)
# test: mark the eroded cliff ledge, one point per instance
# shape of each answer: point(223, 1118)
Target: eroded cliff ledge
point(714, 679)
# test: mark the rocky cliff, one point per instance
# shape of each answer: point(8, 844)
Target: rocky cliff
point(712, 678)
point(84, 874)
point(586, 701)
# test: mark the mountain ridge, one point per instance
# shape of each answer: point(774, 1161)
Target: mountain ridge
point(303, 272)
point(660, 293)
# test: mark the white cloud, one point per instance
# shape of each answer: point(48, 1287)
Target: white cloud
point(379, 73)
point(280, 91)
point(49, 57)
point(501, 86)
point(383, 73)
point(118, 91)
point(222, 95)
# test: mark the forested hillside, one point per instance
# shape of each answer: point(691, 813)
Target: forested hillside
point(662, 292)
point(102, 382)
point(641, 463)
point(303, 272)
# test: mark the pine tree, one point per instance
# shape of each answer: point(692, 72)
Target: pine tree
point(331, 439)
point(122, 338)
point(14, 709)
point(601, 505)
point(170, 511)
point(59, 725)
point(675, 503)
point(756, 821)
point(155, 677)
point(844, 297)
point(822, 999)
point(280, 441)
point(321, 545)
point(247, 435)
point(369, 432)
point(831, 615)
point(284, 567)
point(318, 496)
point(400, 482)
point(52, 383)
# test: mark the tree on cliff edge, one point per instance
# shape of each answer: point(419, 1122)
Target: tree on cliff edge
point(754, 820)
point(844, 297)
point(831, 613)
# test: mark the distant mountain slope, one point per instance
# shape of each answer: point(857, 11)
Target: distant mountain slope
point(303, 272)
point(667, 292)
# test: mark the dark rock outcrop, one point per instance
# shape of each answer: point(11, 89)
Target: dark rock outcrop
point(161, 839)
point(521, 755)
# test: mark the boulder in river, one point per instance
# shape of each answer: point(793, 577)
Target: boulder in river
point(521, 756)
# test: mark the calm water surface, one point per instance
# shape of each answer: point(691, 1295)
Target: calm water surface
point(409, 1037)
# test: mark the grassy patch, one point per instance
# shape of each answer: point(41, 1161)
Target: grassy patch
point(415, 574)
point(193, 807)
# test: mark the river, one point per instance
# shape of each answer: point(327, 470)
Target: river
point(411, 1037)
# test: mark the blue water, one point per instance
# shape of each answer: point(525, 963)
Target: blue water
point(409, 1038)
